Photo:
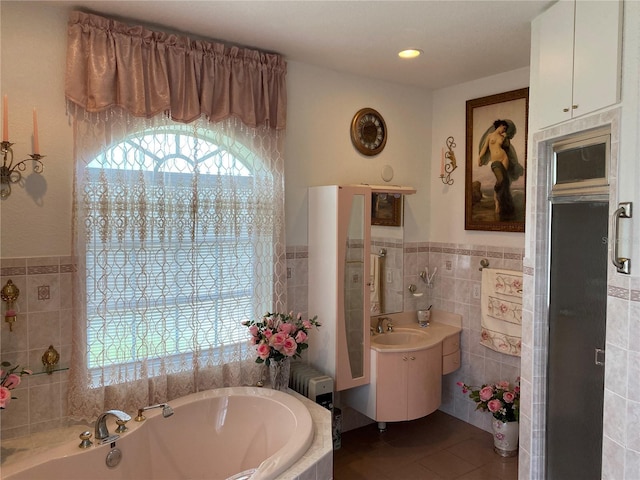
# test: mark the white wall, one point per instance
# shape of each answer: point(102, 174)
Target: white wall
point(36, 218)
point(449, 119)
point(322, 104)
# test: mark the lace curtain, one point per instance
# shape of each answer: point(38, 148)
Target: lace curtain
point(178, 213)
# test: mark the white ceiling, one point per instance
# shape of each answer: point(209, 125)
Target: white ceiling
point(462, 40)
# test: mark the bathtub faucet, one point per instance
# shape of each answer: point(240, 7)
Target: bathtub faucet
point(102, 433)
point(167, 411)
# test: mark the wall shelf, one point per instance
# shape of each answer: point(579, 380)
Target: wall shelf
point(390, 189)
point(43, 370)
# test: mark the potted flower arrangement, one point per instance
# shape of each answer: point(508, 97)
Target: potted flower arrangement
point(8, 381)
point(278, 337)
point(502, 399)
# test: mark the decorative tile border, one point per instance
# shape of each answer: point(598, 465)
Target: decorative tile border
point(38, 269)
point(13, 271)
point(635, 295)
point(617, 292)
point(42, 269)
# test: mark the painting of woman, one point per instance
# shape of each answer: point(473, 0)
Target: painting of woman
point(495, 147)
point(496, 151)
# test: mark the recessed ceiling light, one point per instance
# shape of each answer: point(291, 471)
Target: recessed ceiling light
point(410, 53)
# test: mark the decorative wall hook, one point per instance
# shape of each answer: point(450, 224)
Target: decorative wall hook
point(50, 359)
point(10, 294)
point(448, 162)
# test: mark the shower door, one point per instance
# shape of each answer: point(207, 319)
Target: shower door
point(577, 320)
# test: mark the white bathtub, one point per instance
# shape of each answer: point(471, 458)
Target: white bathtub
point(216, 434)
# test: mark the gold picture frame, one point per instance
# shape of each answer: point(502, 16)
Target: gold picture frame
point(495, 179)
point(386, 209)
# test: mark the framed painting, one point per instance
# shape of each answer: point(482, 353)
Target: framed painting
point(386, 209)
point(496, 141)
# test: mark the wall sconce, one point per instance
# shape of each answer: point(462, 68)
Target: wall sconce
point(447, 167)
point(10, 294)
point(11, 172)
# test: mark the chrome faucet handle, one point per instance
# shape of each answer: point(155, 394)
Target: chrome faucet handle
point(389, 325)
point(85, 436)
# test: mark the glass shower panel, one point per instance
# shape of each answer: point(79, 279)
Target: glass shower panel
point(354, 282)
point(577, 321)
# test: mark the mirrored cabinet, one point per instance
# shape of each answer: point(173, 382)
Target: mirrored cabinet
point(352, 275)
point(339, 266)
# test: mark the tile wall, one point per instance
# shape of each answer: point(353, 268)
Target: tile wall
point(44, 318)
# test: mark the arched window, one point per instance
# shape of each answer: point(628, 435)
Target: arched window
point(175, 252)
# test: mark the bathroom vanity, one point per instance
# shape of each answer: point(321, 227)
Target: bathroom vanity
point(407, 365)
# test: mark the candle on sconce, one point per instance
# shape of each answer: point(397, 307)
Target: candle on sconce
point(442, 162)
point(36, 143)
point(5, 119)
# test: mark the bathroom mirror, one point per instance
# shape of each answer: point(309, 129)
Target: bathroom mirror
point(354, 306)
point(387, 270)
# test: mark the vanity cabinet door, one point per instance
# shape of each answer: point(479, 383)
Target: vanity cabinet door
point(424, 382)
point(391, 387)
point(409, 385)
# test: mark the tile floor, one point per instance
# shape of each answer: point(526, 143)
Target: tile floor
point(436, 447)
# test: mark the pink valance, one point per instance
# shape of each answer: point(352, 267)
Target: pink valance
point(148, 73)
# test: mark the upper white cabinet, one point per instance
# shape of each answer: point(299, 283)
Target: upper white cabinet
point(576, 60)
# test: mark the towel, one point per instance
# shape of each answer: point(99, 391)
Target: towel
point(501, 310)
point(374, 282)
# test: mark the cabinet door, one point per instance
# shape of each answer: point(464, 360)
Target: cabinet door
point(597, 56)
point(577, 67)
point(424, 382)
point(553, 90)
point(354, 239)
point(391, 387)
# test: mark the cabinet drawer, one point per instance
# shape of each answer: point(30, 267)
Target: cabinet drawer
point(451, 344)
point(451, 362)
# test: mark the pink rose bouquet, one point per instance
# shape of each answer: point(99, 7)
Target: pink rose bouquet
point(8, 381)
point(502, 399)
point(277, 336)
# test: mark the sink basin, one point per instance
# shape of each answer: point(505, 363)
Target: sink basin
point(400, 338)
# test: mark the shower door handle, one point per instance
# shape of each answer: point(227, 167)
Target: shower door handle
point(599, 357)
point(622, 264)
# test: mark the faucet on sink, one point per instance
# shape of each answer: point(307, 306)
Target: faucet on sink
point(380, 327)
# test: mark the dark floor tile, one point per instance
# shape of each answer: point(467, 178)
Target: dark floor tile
point(436, 447)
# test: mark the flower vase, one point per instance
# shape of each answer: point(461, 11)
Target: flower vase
point(505, 438)
point(279, 374)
